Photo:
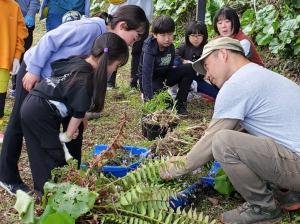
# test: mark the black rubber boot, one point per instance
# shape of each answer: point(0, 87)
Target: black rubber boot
point(181, 108)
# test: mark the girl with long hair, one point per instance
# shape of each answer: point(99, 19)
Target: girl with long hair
point(72, 38)
point(77, 84)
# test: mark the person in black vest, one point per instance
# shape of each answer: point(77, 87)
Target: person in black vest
point(77, 84)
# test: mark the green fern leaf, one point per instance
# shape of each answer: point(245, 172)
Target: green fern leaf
point(123, 200)
point(143, 175)
point(138, 176)
point(190, 213)
point(200, 217)
point(125, 184)
point(151, 212)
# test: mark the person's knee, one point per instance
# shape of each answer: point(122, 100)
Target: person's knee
point(221, 144)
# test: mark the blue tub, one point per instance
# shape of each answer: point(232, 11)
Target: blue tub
point(210, 178)
point(120, 171)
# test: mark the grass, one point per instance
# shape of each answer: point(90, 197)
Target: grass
point(102, 131)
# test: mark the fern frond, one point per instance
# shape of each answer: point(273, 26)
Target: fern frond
point(145, 192)
point(152, 217)
point(148, 173)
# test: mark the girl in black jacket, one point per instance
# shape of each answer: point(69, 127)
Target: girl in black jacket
point(77, 85)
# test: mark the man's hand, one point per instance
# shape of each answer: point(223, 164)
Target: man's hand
point(16, 66)
point(173, 168)
point(29, 80)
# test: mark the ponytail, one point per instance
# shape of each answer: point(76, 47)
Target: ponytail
point(108, 47)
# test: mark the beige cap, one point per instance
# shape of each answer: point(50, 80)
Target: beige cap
point(216, 44)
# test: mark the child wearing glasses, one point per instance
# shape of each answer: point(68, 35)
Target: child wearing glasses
point(195, 38)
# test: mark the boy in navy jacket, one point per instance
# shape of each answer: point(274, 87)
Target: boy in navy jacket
point(156, 64)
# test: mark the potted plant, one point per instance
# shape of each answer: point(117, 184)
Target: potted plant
point(158, 116)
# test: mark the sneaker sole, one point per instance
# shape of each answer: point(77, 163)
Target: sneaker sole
point(7, 189)
point(272, 221)
point(291, 207)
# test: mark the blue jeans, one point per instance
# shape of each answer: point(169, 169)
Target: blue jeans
point(53, 20)
point(206, 88)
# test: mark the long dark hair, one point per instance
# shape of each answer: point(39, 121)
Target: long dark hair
point(108, 47)
point(230, 14)
point(133, 15)
point(196, 27)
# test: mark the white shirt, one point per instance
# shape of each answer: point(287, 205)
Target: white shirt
point(268, 104)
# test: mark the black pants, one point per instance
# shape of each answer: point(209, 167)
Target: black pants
point(136, 52)
point(41, 126)
point(181, 75)
point(12, 143)
point(27, 45)
point(13, 138)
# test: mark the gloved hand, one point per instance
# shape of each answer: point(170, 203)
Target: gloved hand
point(63, 137)
point(29, 21)
point(16, 66)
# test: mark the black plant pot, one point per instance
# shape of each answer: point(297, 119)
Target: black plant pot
point(152, 131)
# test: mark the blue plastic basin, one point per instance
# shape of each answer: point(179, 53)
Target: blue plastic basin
point(120, 171)
point(210, 178)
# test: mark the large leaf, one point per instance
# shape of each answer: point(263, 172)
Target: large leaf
point(297, 50)
point(269, 29)
point(275, 46)
point(222, 183)
point(25, 207)
point(58, 218)
point(263, 39)
point(70, 198)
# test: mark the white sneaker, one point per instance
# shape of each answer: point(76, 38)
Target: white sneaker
point(173, 90)
point(193, 95)
point(194, 86)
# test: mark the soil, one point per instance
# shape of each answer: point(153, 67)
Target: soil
point(162, 118)
point(124, 158)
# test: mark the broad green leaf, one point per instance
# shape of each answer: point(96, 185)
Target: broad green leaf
point(70, 198)
point(286, 36)
point(290, 24)
point(47, 211)
point(25, 207)
point(263, 39)
point(59, 218)
point(297, 50)
point(268, 29)
point(222, 183)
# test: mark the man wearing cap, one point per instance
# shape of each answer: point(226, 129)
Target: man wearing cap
point(266, 105)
